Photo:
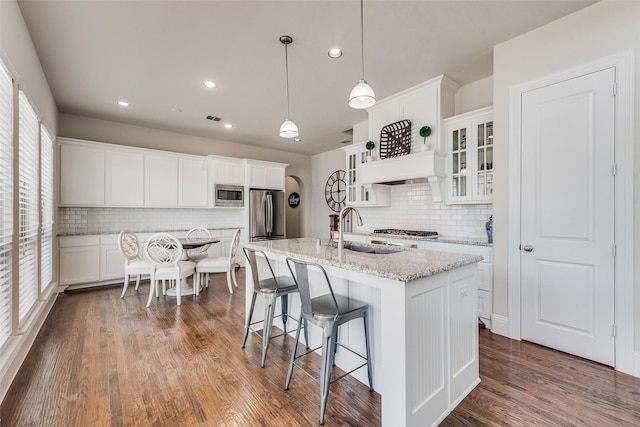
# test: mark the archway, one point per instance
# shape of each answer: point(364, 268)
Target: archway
point(294, 191)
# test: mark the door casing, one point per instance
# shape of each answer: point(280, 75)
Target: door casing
point(624, 158)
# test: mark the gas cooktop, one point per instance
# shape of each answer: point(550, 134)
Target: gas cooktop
point(417, 233)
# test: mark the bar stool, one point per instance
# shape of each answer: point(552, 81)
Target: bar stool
point(328, 312)
point(270, 289)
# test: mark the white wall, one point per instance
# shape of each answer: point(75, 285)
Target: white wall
point(323, 165)
point(599, 31)
point(478, 94)
point(18, 53)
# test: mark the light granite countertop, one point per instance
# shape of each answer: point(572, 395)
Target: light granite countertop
point(163, 230)
point(404, 264)
point(466, 241)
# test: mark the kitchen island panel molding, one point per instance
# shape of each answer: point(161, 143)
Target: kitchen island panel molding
point(417, 324)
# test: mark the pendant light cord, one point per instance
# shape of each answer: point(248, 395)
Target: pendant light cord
point(362, 34)
point(286, 61)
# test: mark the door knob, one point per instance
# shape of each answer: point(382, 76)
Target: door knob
point(528, 248)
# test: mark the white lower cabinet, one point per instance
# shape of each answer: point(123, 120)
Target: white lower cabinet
point(96, 260)
point(484, 274)
point(111, 260)
point(79, 259)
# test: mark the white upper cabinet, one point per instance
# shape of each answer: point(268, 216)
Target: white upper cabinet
point(266, 175)
point(357, 193)
point(82, 175)
point(423, 104)
point(161, 180)
point(227, 170)
point(124, 179)
point(194, 182)
point(469, 144)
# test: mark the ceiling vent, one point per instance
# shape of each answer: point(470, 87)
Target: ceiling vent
point(213, 118)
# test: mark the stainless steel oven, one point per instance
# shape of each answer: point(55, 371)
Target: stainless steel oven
point(229, 195)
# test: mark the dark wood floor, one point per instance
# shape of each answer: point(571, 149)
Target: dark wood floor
point(104, 361)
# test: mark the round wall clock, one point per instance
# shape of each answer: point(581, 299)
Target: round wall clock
point(335, 190)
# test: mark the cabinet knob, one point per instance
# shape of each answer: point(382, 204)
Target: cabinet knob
point(528, 248)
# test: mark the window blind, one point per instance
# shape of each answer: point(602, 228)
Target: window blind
point(46, 207)
point(6, 201)
point(28, 160)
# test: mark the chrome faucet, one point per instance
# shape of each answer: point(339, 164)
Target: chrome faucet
point(343, 213)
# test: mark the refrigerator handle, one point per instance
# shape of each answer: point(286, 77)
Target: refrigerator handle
point(269, 214)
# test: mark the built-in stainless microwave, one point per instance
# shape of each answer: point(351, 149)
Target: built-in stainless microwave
point(229, 195)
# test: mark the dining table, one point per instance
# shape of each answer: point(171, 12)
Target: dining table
point(186, 286)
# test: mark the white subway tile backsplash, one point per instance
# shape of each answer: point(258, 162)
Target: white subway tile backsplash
point(114, 220)
point(412, 208)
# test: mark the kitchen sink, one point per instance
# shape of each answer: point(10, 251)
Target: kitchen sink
point(370, 249)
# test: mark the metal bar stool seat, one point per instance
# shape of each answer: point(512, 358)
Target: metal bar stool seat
point(328, 312)
point(270, 289)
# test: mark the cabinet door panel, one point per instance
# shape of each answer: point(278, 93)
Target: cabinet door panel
point(79, 265)
point(161, 184)
point(124, 178)
point(111, 263)
point(82, 173)
point(228, 172)
point(194, 183)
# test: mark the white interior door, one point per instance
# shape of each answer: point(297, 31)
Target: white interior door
point(567, 214)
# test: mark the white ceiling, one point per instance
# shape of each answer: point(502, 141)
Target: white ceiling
point(157, 54)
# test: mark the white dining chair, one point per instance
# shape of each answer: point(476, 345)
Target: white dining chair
point(196, 254)
point(134, 264)
point(221, 264)
point(165, 251)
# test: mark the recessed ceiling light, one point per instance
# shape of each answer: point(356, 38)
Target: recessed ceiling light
point(228, 125)
point(123, 103)
point(210, 85)
point(334, 53)
point(297, 139)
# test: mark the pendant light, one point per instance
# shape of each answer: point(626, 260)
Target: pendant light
point(362, 95)
point(288, 128)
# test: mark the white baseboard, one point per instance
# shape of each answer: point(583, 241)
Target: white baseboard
point(500, 325)
point(636, 364)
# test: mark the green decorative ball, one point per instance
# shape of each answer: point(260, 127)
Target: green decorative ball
point(425, 131)
point(370, 145)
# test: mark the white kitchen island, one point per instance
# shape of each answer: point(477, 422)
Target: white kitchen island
point(422, 322)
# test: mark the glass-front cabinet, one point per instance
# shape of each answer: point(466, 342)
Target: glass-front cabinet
point(469, 145)
point(357, 194)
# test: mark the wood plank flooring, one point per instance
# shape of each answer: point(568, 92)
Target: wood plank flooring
point(104, 361)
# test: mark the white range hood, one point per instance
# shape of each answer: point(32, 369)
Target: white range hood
point(421, 166)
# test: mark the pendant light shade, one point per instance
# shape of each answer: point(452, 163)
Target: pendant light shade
point(362, 95)
point(288, 128)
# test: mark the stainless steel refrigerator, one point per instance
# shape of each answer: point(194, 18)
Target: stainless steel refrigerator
point(266, 209)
